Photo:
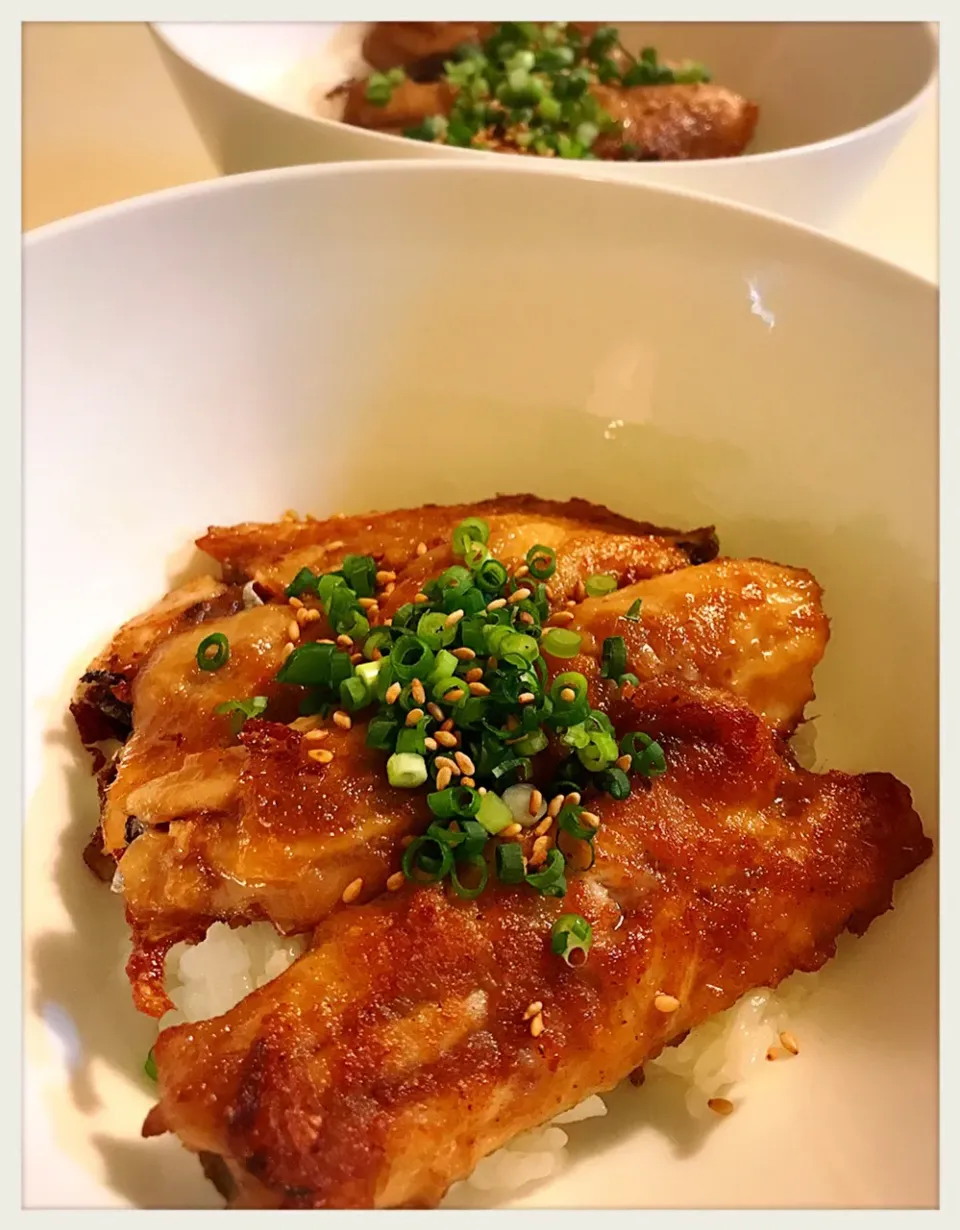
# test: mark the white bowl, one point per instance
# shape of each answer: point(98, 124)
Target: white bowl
point(835, 99)
point(328, 338)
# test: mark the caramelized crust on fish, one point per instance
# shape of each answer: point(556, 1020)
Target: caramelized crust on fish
point(675, 123)
point(400, 1049)
point(207, 843)
point(751, 627)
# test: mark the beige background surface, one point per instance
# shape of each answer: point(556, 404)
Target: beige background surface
point(102, 121)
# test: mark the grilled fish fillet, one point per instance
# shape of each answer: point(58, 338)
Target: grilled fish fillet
point(399, 1050)
point(252, 829)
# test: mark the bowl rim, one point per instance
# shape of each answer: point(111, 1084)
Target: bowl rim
point(456, 169)
point(161, 31)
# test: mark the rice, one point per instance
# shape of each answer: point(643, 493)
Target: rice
point(715, 1060)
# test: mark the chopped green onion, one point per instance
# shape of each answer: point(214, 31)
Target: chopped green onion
point(360, 572)
point(411, 659)
point(433, 631)
point(599, 584)
point(571, 937)
point(328, 584)
point(531, 744)
point(417, 858)
point(475, 836)
point(518, 643)
point(599, 753)
point(633, 611)
point(240, 710)
point(491, 576)
point(628, 678)
point(475, 554)
point(213, 661)
point(444, 665)
point(380, 639)
point(472, 528)
point(493, 813)
point(456, 802)
point(561, 642)
point(411, 739)
point(646, 756)
point(509, 772)
point(315, 665)
point(407, 770)
point(568, 820)
point(382, 733)
point(354, 693)
point(509, 862)
point(304, 582)
point(551, 880)
point(613, 657)
point(542, 562)
point(616, 783)
point(150, 1066)
point(567, 712)
point(380, 86)
point(476, 861)
point(367, 672)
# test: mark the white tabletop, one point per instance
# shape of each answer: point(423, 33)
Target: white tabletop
point(102, 121)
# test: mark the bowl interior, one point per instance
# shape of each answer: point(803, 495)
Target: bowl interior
point(229, 351)
point(813, 80)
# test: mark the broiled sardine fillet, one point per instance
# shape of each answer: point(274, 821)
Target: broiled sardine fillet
point(399, 1051)
point(217, 847)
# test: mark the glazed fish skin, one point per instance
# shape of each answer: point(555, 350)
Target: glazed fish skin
point(675, 122)
point(392, 1056)
point(231, 853)
point(276, 551)
point(751, 627)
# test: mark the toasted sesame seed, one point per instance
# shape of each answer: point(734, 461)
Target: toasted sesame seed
point(536, 798)
point(775, 1052)
point(454, 695)
point(293, 631)
point(395, 881)
point(563, 617)
point(417, 692)
point(447, 724)
point(573, 797)
point(512, 830)
point(385, 576)
point(465, 763)
point(544, 826)
point(326, 641)
point(568, 694)
point(591, 819)
point(316, 736)
point(554, 806)
point(443, 778)
point(335, 546)
point(288, 649)
point(444, 762)
point(464, 653)
point(492, 664)
point(541, 847)
point(413, 717)
point(468, 781)
point(475, 673)
point(392, 692)
point(344, 641)
point(445, 738)
point(356, 658)
point(388, 623)
point(720, 1106)
point(430, 744)
point(526, 617)
point(520, 595)
point(533, 1009)
point(436, 712)
point(352, 891)
point(389, 588)
point(580, 591)
point(536, 1025)
point(478, 689)
point(421, 548)
point(313, 615)
point(295, 603)
point(453, 619)
point(497, 604)
point(526, 697)
point(481, 790)
point(420, 598)
point(375, 654)
point(343, 720)
point(321, 755)
point(571, 602)
point(366, 603)
point(789, 1042)
point(624, 763)
point(666, 1003)
point(303, 616)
